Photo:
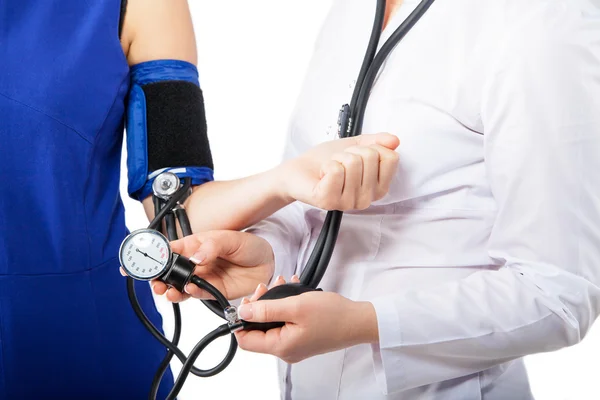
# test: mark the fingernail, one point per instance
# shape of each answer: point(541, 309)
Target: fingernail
point(198, 258)
point(280, 278)
point(245, 311)
point(245, 301)
point(186, 289)
point(295, 277)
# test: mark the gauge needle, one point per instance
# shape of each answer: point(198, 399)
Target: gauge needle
point(146, 255)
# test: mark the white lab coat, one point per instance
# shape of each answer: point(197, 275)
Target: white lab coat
point(487, 247)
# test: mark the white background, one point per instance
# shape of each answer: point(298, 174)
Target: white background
point(252, 58)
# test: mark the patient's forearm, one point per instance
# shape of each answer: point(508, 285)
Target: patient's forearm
point(233, 205)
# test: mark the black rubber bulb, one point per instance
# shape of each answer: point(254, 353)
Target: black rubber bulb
point(276, 293)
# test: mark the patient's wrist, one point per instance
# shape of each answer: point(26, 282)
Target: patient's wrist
point(278, 183)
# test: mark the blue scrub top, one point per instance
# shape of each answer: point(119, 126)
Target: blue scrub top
point(67, 330)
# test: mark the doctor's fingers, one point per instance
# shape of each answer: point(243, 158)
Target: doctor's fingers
point(262, 288)
point(158, 287)
point(209, 244)
point(266, 311)
point(173, 295)
point(353, 176)
point(286, 310)
point(198, 293)
point(386, 140)
point(328, 190)
point(388, 168)
point(260, 342)
point(370, 176)
point(186, 246)
point(214, 245)
point(259, 292)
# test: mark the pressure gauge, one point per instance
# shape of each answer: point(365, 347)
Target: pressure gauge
point(145, 254)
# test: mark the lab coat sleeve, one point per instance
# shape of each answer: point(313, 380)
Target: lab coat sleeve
point(286, 231)
point(541, 112)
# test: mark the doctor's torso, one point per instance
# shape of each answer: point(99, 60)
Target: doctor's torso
point(435, 223)
point(440, 209)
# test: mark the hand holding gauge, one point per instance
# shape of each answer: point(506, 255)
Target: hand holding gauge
point(146, 255)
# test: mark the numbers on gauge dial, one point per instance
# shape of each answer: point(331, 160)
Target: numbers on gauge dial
point(145, 254)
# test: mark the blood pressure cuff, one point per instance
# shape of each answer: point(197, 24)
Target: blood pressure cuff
point(166, 126)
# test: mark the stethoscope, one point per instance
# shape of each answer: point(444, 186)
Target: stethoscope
point(147, 255)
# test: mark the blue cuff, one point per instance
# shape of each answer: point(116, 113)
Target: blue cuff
point(139, 183)
point(164, 70)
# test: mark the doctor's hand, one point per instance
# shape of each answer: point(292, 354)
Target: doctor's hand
point(315, 323)
point(234, 262)
point(344, 174)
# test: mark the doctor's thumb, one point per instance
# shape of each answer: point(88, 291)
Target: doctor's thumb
point(383, 139)
point(213, 246)
point(266, 311)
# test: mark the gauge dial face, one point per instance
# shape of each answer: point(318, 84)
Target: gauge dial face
point(145, 254)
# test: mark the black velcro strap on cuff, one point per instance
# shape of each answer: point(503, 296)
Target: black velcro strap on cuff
point(176, 126)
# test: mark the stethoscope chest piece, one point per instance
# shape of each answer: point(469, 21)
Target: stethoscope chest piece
point(146, 255)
